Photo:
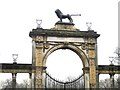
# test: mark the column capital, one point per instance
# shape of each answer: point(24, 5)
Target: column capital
point(85, 69)
point(14, 74)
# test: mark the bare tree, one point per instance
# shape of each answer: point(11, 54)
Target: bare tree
point(70, 78)
point(24, 84)
point(104, 83)
point(8, 84)
point(117, 83)
point(117, 52)
point(74, 83)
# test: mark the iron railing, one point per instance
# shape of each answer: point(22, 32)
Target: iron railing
point(53, 83)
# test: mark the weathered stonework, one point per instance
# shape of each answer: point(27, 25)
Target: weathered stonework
point(65, 36)
point(92, 74)
point(38, 77)
point(91, 54)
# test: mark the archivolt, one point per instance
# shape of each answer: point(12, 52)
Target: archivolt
point(77, 50)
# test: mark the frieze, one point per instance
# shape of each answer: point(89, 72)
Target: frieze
point(65, 39)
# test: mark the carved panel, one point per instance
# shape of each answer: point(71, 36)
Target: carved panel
point(91, 53)
point(39, 57)
point(64, 39)
point(92, 73)
point(38, 78)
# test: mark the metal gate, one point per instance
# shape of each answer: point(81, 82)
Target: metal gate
point(55, 84)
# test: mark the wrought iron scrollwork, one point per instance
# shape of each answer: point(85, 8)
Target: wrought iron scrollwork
point(55, 84)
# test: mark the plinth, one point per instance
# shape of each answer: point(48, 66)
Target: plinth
point(64, 26)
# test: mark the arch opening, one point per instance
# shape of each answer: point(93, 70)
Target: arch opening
point(66, 64)
point(78, 51)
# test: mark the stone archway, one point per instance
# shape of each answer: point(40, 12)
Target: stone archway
point(75, 49)
point(64, 35)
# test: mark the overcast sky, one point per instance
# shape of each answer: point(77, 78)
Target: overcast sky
point(18, 18)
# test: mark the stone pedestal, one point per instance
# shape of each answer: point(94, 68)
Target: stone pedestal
point(64, 26)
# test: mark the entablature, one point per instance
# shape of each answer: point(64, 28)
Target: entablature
point(63, 33)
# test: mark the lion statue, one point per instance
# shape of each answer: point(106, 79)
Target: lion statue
point(61, 16)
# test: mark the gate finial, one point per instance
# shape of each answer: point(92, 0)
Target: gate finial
point(89, 24)
point(39, 22)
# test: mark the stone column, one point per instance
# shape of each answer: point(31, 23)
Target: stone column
point(97, 80)
point(92, 69)
point(33, 81)
point(44, 77)
point(14, 80)
point(86, 77)
point(112, 80)
point(38, 65)
point(33, 64)
point(30, 81)
point(86, 81)
point(92, 74)
point(38, 78)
